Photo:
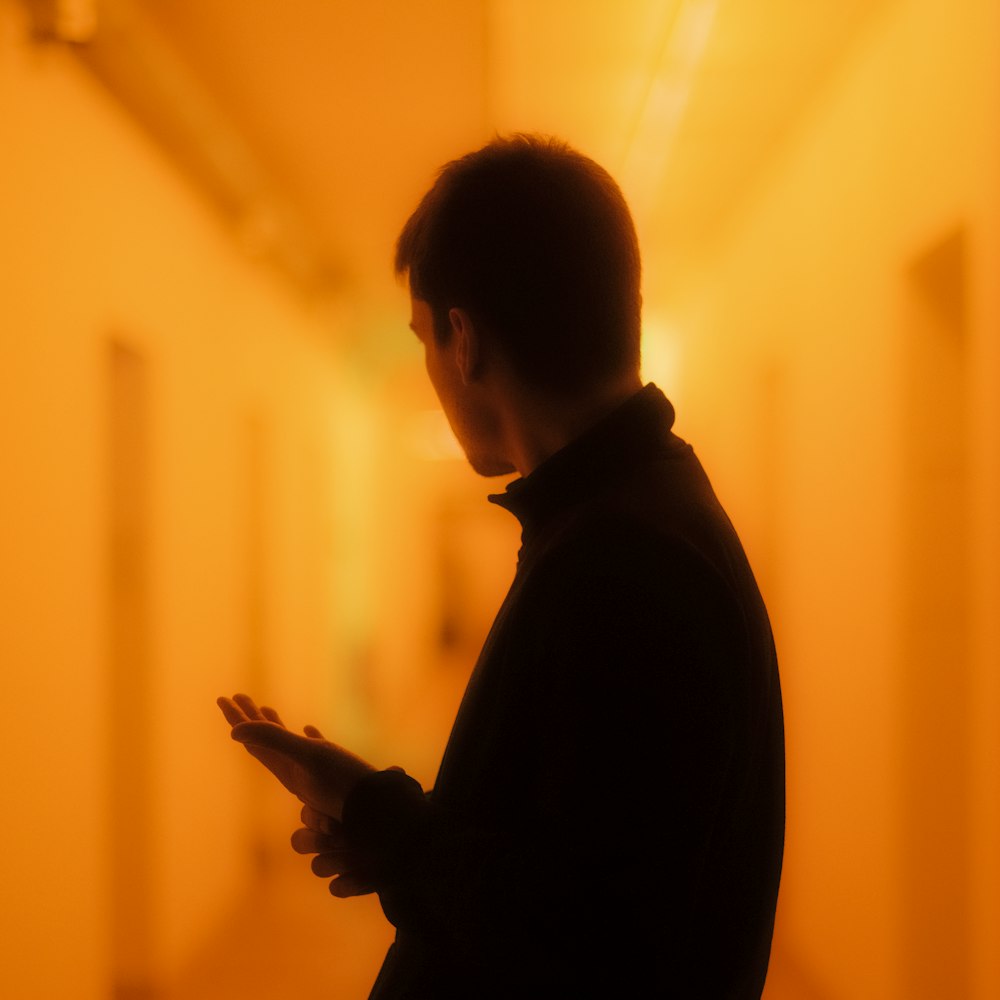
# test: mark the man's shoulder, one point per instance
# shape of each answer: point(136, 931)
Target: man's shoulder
point(617, 550)
point(638, 523)
point(658, 539)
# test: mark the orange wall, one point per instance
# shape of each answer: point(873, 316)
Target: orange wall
point(101, 238)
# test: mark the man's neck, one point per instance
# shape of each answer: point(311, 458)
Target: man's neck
point(537, 427)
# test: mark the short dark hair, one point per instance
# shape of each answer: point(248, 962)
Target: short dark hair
point(535, 241)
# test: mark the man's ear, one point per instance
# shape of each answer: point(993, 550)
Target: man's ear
point(468, 348)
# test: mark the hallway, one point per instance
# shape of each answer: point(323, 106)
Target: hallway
point(225, 468)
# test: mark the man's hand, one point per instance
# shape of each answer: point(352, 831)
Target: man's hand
point(323, 836)
point(319, 773)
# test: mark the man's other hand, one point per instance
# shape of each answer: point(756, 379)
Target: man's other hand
point(319, 773)
point(335, 859)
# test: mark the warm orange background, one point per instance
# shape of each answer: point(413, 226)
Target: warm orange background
point(212, 482)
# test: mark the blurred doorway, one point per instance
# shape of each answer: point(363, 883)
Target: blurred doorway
point(131, 778)
point(936, 677)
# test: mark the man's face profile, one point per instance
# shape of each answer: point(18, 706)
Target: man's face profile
point(468, 400)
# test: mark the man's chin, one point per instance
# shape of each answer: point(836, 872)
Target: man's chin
point(490, 467)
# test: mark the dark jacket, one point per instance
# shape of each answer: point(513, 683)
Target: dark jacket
point(608, 817)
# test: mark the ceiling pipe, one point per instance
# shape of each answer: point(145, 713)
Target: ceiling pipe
point(129, 55)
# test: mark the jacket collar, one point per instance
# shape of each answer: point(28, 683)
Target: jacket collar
point(634, 432)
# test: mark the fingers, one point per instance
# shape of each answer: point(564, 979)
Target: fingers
point(271, 715)
point(350, 885)
point(323, 836)
point(320, 822)
point(332, 863)
point(249, 707)
point(334, 859)
point(306, 841)
point(242, 708)
point(233, 713)
point(272, 736)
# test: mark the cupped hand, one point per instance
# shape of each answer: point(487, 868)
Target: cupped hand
point(319, 773)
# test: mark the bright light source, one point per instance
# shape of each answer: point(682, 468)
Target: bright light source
point(666, 101)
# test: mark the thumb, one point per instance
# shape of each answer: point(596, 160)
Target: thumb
point(269, 736)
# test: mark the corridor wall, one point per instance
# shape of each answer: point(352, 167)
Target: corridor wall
point(166, 411)
point(875, 225)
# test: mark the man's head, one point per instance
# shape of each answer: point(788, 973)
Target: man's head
point(535, 243)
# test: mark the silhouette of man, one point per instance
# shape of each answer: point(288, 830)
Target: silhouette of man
point(608, 817)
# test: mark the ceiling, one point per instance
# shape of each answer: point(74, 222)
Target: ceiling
point(351, 106)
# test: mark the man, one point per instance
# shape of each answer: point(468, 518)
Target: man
point(608, 815)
